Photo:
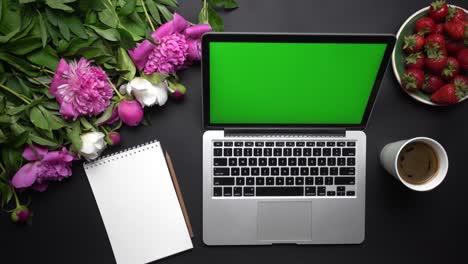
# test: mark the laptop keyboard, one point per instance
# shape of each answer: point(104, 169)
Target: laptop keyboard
point(283, 168)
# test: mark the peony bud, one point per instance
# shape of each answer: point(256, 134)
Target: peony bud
point(20, 214)
point(130, 112)
point(177, 90)
point(93, 145)
point(114, 138)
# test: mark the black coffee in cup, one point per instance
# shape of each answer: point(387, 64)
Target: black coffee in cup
point(417, 163)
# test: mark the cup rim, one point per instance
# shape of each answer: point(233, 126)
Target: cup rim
point(427, 186)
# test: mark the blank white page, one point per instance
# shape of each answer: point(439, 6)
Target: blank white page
point(139, 205)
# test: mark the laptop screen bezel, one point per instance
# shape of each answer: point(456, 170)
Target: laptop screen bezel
point(387, 39)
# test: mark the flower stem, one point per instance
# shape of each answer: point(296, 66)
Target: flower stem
point(147, 15)
point(42, 83)
point(16, 197)
point(43, 69)
point(22, 97)
point(205, 9)
point(121, 97)
point(1, 167)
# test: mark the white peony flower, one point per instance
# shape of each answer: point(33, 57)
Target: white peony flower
point(93, 144)
point(145, 92)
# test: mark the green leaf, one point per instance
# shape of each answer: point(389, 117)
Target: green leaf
point(75, 26)
point(38, 118)
point(137, 31)
point(155, 78)
point(64, 30)
point(165, 12)
point(6, 192)
point(19, 140)
point(43, 141)
point(7, 37)
point(203, 16)
point(46, 57)
point(12, 159)
point(60, 5)
point(51, 16)
point(2, 103)
point(109, 17)
point(76, 44)
point(23, 46)
point(126, 39)
point(19, 64)
point(110, 34)
point(5, 120)
point(52, 33)
point(3, 137)
point(43, 29)
point(86, 124)
point(168, 3)
point(105, 115)
point(128, 8)
point(125, 63)
point(74, 136)
point(54, 121)
point(154, 11)
point(227, 4)
point(215, 20)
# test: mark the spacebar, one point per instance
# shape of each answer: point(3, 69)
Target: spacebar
point(279, 191)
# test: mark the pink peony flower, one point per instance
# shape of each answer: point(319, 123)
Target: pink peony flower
point(130, 112)
point(178, 45)
point(45, 166)
point(81, 89)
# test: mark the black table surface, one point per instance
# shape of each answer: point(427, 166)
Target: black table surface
point(402, 226)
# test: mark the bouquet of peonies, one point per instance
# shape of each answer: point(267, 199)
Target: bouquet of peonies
point(73, 72)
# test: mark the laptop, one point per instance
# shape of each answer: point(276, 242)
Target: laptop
point(284, 152)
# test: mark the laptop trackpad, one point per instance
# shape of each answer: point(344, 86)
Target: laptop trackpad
point(284, 221)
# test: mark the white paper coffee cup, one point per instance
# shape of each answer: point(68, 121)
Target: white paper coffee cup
point(389, 158)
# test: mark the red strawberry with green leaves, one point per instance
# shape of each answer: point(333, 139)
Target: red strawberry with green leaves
point(455, 29)
point(456, 13)
point(451, 69)
point(438, 29)
point(413, 43)
point(453, 47)
point(435, 40)
point(463, 59)
point(432, 83)
point(415, 60)
point(438, 10)
point(436, 59)
point(425, 25)
point(412, 79)
point(462, 81)
point(449, 94)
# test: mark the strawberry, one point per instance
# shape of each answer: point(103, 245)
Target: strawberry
point(453, 47)
point(436, 59)
point(455, 29)
point(462, 81)
point(463, 59)
point(415, 60)
point(438, 29)
point(435, 39)
point(456, 13)
point(451, 69)
point(448, 94)
point(412, 79)
point(432, 83)
point(413, 43)
point(425, 25)
point(438, 10)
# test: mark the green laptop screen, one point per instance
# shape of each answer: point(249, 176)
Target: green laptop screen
point(291, 83)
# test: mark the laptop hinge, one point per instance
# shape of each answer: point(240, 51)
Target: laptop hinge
point(269, 132)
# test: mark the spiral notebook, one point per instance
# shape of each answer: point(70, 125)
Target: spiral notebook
point(140, 204)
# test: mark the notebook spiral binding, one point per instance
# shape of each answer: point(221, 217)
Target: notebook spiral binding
point(118, 155)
